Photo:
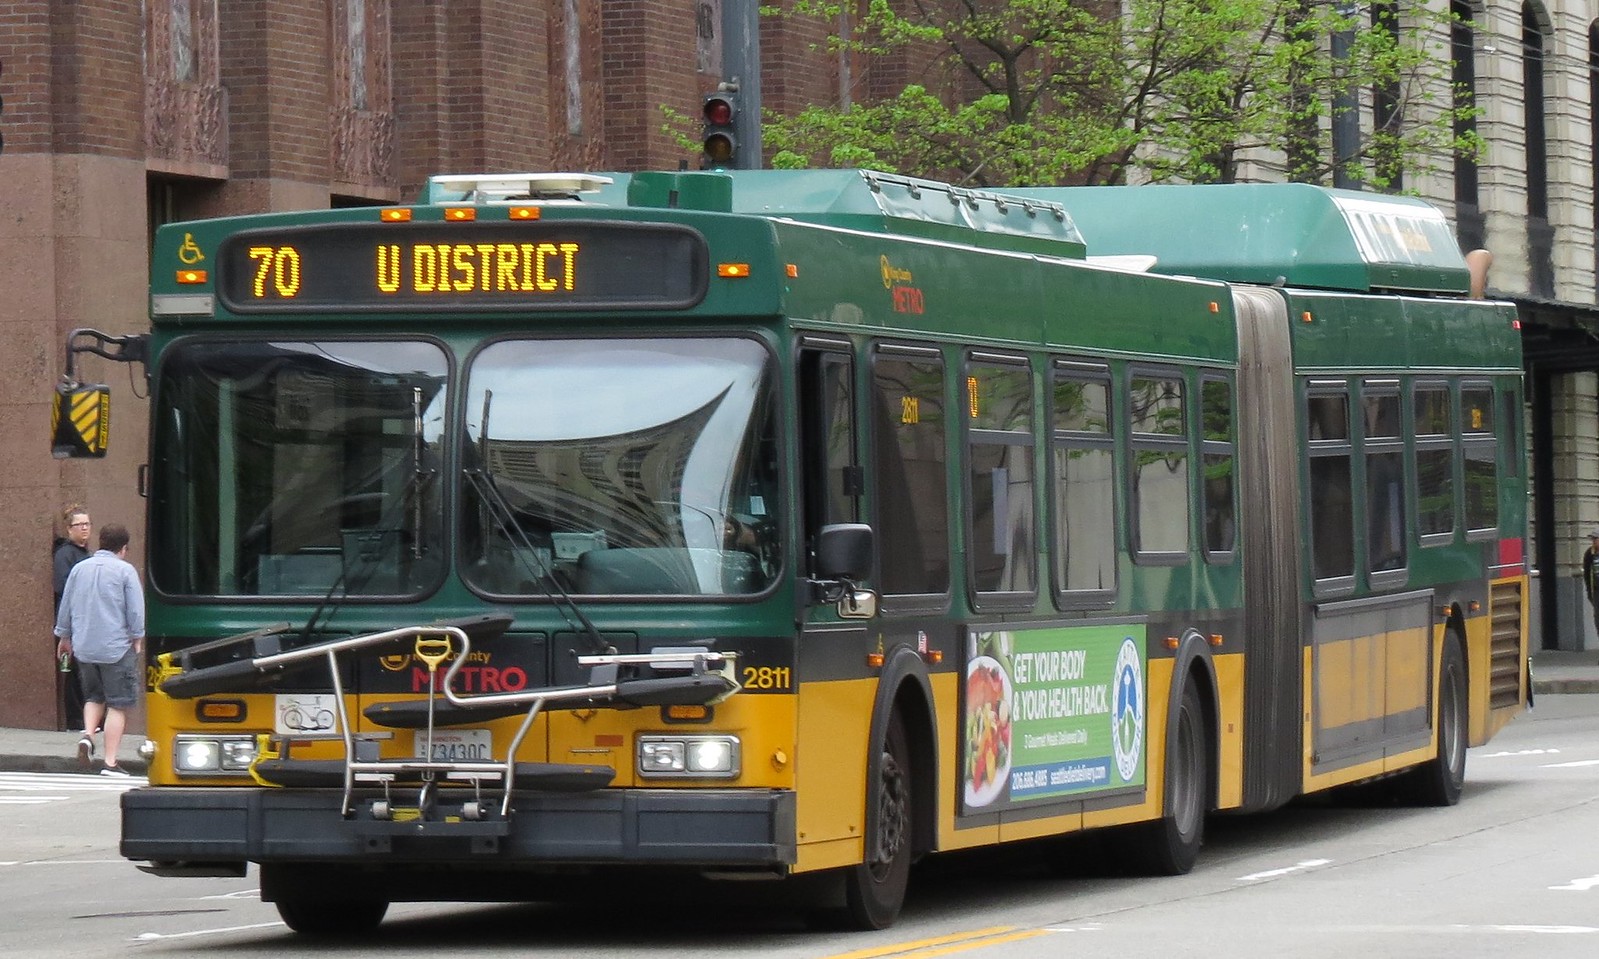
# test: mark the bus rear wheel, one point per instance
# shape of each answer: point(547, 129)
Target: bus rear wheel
point(1169, 846)
point(1440, 781)
point(325, 919)
point(874, 891)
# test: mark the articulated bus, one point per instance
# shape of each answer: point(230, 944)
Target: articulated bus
point(798, 525)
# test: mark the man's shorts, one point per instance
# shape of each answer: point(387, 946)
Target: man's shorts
point(114, 684)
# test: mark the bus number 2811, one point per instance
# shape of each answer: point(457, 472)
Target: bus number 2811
point(767, 677)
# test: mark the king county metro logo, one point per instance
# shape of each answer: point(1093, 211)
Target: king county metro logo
point(1127, 710)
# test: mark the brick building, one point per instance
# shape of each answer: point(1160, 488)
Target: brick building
point(119, 116)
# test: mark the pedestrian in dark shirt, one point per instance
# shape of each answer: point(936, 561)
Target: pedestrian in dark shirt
point(70, 550)
point(1590, 576)
point(101, 621)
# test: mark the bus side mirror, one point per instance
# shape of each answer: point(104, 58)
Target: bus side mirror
point(80, 421)
point(844, 555)
point(844, 551)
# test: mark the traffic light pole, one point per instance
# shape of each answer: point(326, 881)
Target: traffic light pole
point(741, 64)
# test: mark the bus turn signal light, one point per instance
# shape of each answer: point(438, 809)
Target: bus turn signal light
point(191, 276)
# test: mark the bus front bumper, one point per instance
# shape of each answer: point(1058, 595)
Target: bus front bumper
point(697, 827)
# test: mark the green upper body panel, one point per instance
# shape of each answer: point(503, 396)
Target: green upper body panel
point(1289, 234)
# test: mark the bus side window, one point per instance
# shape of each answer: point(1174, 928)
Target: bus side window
point(1158, 447)
point(1435, 463)
point(1083, 485)
point(1331, 494)
point(830, 475)
point(1382, 444)
point(909, 463)
point(1217, 486)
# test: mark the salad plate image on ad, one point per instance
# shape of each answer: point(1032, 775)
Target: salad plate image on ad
point(988, 731)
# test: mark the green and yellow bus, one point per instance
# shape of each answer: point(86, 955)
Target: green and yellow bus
point(797, 525)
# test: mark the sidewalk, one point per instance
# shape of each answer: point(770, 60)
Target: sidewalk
point(35, 750)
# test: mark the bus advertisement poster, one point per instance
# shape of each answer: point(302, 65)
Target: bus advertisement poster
point(1052, 713)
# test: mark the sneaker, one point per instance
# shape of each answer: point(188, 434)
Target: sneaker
point(116, 771)
point(85, 751)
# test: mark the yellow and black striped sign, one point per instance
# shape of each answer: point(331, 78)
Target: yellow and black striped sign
point(80, 423)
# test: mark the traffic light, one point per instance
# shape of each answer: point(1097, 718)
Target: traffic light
point(720, 145)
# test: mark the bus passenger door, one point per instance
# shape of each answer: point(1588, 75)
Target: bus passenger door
point(835, 688)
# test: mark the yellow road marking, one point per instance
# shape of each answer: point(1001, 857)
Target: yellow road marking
point(944, 945)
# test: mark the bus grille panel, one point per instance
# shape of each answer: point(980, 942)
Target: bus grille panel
point(1504, 656)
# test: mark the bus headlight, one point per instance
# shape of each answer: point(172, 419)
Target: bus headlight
point(678, 757)
point(211, 755)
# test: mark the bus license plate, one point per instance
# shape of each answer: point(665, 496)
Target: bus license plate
point(452, 745)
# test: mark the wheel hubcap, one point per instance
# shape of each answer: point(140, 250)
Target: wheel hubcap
point(892, 812)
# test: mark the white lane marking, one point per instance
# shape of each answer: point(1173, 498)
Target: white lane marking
point(153, 936)
point(1579, 885)
point(28, 800)
point(1518, 752)
point(64, 862)
point(1274, 873)
point(241, 894)
point(1542, 930)
point(1571, 765)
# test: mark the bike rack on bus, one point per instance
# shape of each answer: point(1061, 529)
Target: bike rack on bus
point(683, 676)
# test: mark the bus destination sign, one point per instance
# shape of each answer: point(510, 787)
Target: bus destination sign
point(548, 265)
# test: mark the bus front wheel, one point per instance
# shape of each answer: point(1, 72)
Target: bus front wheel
point(874, 891)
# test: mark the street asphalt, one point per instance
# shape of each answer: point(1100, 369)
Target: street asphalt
point(1554, 672)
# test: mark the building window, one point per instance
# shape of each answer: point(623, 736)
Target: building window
point(1463, 81)
point(1540, 235)
point(1386, 114)
point(1593, 131)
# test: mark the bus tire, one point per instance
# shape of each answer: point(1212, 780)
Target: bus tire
point(874, 891)
point(1169, 846)
point(331, 919)
point(1439, 781)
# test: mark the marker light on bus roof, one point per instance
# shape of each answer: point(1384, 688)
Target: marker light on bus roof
point(524, 213)
point(396, 214)
point(460, 213)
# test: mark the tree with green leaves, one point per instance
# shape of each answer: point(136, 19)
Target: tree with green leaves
point(1083, 91)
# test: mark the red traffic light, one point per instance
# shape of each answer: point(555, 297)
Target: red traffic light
point(718, 110)
point(718, 140)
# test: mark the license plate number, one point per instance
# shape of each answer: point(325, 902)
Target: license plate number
point(453, 745)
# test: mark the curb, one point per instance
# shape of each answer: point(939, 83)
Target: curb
point(1548, 687)
point(23, 763)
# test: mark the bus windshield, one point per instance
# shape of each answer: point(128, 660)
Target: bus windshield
point(614, 467)
point(296, 468)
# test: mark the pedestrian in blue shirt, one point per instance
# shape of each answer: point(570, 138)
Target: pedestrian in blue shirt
point(101, 623)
